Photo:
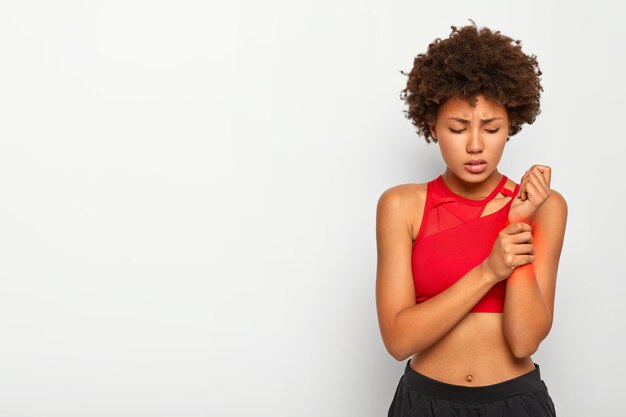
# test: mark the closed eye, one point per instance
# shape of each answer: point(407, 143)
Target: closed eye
point(486, 130)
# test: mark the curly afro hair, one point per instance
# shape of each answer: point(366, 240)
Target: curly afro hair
point(472, 62)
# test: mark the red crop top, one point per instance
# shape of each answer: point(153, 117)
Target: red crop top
point(453, 238)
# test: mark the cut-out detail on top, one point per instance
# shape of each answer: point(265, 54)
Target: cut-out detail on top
point(489, 208)
point(509, 193)
point(446, 190)
point(446, 209)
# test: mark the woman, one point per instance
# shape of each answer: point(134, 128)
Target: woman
point(467, 262)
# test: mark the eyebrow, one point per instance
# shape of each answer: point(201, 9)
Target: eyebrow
point(459, 119)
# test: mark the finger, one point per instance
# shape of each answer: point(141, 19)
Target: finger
point(548, 174)
point(534, 195)
point(522, 188)
point(524, 177)
point(537, 186)
point(542, 191)
point(522, 237)
point(546, 171)
point(522, 249)
point(518, 227)
point(526, 191)
point(540, 167)
point(541, 180)
point(520, 192)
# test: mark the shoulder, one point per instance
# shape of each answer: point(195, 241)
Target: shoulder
point(403, 196)
point(556, 199)
point(555, 202)
point(401, 208)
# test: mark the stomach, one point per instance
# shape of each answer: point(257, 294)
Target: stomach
point(474, 353)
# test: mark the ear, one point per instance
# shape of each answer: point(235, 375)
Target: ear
point(433, 130)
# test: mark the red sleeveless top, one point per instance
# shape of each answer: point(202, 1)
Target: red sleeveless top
point(453, 239)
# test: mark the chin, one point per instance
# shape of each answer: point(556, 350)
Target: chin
point(475, 177)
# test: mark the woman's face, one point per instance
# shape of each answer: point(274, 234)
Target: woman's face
point(465, 133)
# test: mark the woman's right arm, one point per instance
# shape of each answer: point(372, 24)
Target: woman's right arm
point(407, 327)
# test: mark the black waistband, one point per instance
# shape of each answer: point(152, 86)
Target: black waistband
point(530, 381)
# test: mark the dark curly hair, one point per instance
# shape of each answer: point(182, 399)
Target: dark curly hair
point(472, 62)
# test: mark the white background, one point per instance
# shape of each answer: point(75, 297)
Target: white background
point(188, 193)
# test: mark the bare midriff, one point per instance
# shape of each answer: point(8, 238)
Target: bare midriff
point(473, 353)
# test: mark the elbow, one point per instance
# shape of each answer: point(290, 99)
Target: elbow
point(400, 356)
point(523, 349)
point(399, 343)
point(523, 346)
point(401, 351)
point(520, 346)
point(397, 350)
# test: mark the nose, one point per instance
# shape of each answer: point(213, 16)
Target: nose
point(475, 143)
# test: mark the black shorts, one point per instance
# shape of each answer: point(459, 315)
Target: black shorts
point(420, 396)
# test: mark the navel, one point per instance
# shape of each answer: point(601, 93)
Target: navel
point(469, 378)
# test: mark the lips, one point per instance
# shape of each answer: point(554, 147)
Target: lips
point(476, 162)
point(476, 166)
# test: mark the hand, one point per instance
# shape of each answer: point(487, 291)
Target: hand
point(512, 248)
point(534, 191)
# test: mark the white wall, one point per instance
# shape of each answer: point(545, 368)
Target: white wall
point(189, 189)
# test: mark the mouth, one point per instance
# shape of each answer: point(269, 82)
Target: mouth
point(476, 162)
point(476, 166)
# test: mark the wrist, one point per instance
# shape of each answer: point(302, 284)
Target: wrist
point(518, 218)
point(487, 273)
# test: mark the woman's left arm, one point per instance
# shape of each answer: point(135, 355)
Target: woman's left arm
point(530, 289)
